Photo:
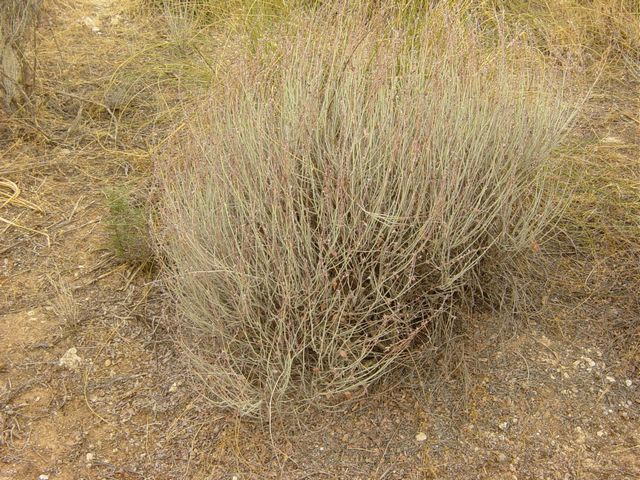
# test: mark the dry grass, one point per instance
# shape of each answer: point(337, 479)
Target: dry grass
point(358, 190)
point(584, 33)
point(65, 305)
point(236, 11)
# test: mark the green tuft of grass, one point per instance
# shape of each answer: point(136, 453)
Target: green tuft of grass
point(128, 227)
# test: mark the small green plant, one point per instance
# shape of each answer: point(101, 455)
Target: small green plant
point(127, 227)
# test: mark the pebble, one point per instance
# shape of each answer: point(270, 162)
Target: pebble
point(628, 382)
point(504, 426)
point(611, 380)
point(421, 437)
point(70, 359)
point(173, 388)
point(43, 477)
point(91, 23)
point(107, 363)
point(89, 457)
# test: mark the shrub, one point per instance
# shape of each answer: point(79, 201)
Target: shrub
point(358, 188)
point(16, 19)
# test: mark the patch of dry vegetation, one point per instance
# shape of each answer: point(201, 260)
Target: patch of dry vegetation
point(598, 41)
point(358, 190)
point(580, 32)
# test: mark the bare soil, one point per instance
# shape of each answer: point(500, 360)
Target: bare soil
point(555, 397)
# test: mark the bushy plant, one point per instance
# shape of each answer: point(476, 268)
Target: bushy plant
point(357, 189)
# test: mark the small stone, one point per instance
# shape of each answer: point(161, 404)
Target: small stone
point(173, 388)
point(70, 359)
point(91, 23)
point(600, 433)
point(43, 477)
point(504, 426)
point(107, 363)
point(235, 477)
point(89, 457)
point(628, 382)
point(421, 437)
point(611, 380)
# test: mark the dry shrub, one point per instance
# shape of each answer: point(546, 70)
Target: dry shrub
point(16, 20)
point(356, 191)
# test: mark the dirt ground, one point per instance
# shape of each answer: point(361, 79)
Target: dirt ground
point(557, 397)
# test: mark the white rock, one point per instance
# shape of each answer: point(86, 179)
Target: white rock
point(91, 23)
point(611, 380)
point(421, 437)
point(504, 426)
point(70, 359)
point(43, 477)
point(89, 457)
point(600, 433)
point(628, 382)
point(173, 388)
